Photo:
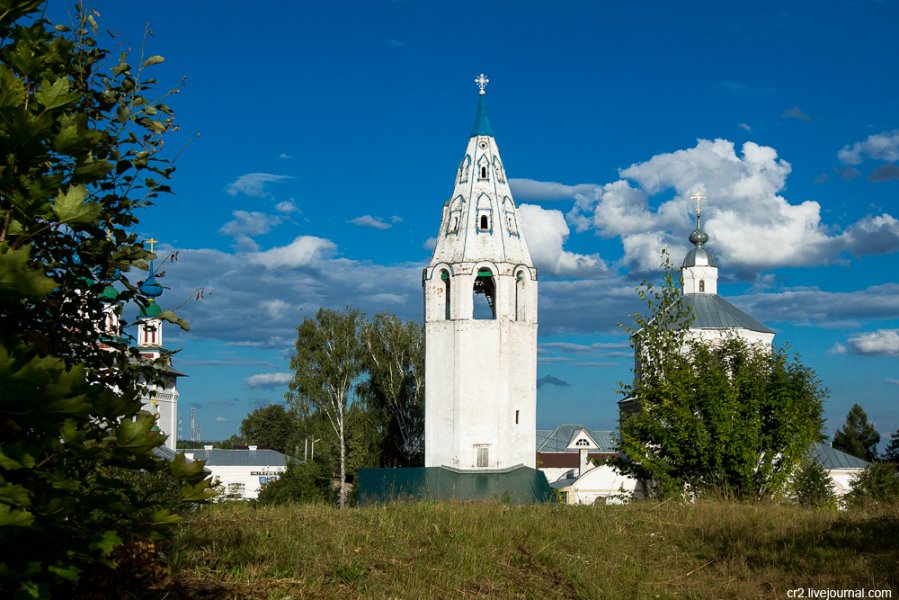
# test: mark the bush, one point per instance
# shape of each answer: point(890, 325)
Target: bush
point(301, 482)
point(812, 486)
point(879, 483)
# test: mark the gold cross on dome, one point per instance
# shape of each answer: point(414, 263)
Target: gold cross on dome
point(152, 242)
point(482, 82)
point(698, 198)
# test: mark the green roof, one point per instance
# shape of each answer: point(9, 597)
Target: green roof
point(518, 485)
point(481, 123)
point(711, 311)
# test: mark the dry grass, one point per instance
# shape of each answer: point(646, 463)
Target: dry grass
point(461, 550)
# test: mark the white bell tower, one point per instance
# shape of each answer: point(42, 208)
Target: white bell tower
point(480, 296)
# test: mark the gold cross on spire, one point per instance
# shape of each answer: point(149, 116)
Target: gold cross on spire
point(152, 242)
point(482, 82)
point(698, 198)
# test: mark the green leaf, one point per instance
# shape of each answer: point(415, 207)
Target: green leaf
point(154, 60)
point(108, 542)
point(71, 207)
point(56, 94)
point(12, 88)
point(171, 317)
point(10, 517)
point(18, 277)
point(164, 516)
point(69, 573)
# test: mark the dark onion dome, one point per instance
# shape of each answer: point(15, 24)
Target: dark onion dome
point(151, 288)
point(699, 256)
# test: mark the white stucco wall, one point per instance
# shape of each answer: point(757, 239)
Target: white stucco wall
point(604, 482)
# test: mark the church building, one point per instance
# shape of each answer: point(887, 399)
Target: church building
point(160, 398)
point(480, 306)
point(713, 316)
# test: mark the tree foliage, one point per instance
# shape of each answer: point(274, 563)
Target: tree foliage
point(892, 450)
point(812, 486)
point(726, 415)
point(857, 437)
point(393, 355)
point(272, 427)
point(80, 142)
point(878, 483)
point(326, 363)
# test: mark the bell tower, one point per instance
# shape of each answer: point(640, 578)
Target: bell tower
point(480, 301)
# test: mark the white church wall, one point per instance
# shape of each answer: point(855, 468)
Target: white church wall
point(603, 482)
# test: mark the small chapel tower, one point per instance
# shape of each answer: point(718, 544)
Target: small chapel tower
point(714, 318)
point(480, 304)
point(161, 397)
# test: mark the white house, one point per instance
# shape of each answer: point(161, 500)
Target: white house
point(480, 304)
point(241, 473)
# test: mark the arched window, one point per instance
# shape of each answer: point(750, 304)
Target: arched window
point(484, 295)
point(485, 222)
point(483, 172)
point(447, 299)
point(702, 285)
point(520, 298)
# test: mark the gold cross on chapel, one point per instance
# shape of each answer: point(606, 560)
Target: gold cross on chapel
point(699, 199)
point(152, 242)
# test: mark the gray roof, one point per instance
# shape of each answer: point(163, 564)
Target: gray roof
point(711, 311)
point(831, 458)
point(556, 440)
point(218, 457)
point(164, 452)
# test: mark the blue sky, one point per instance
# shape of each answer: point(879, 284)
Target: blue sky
point(329, 135)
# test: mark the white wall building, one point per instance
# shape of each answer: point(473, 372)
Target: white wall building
point(480, 301)
point(241, 473)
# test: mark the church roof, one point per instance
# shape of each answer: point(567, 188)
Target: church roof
point(481, 123)
point(557, 440)
point(218, 457)
point(831, 458)
point(711, 311)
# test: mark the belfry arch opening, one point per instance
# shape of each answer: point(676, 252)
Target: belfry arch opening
point(701, 285)
point(484, 295)
point(520, 297)
point(447, 298)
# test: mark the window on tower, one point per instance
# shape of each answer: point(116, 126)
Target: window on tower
point(701, 285)
point(484, 300)
point(485, 223)
point(483, 172)
point(444, 275)
point(520, 298)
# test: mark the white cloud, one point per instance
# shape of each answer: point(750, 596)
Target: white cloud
point(531, 189)
point(268, 380)
point(546, 232)
point(880, 146)
point(796, 113)
point(880, 342)
point(838, 348)
point(304, 250)
point(286, 207)
point(745, 126)
point(253, 184)
point(246, 225)
point(220, 419)
point(751, 225)
point(430, 243)
point(370, 221)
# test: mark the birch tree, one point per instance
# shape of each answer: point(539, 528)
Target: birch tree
point(394, 360)
point(326, 364)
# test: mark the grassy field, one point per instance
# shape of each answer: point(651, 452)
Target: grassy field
point(455, 550)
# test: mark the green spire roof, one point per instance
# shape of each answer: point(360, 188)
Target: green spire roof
point(481, 123)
